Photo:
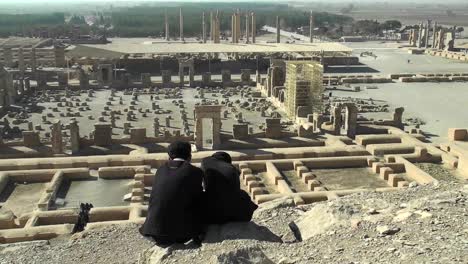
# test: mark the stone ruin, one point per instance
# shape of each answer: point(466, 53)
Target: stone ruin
point(282, 132)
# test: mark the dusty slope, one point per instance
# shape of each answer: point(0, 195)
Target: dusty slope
point(420, 225)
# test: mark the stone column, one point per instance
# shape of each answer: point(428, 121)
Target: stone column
point(27, 84)
point(62, 78)
point(3, 101)
point(269, 89)
point(411, 38)
point(275, 78)
point(211, 27)
point(203, 28)
point(11, 89)
point(258, 78)
point(199, 133)
point(191, 77)
point(245, 76)
point(238, 26)
point(181, 25)
point(21, 65)
point(127, 80)
point(247, 33)
point(181, 76)
point(31, 139)
point(216, 132)
point(21, 86)
point(254, 27)
point(217, 38)
point(206, 78)
point(166, 25)
point(102, 134)
point(440, 39)
point(426, 41)
point(233, 28)
point(57, 141)
point(59, 53)
point(273, 127)
point(398, 117)
point(166, 77)
point(168, 121)
point(74, 137)
point(8, 57)
point(420, 35)
point(41, 80)
point(156, 127)
point(278, 30)
point(84, 80)
point(146, 80)
point(138, 135)
point(414, 38)
point(337, 120)
point(311, 27)
point(226, 77)
point(33, 60)
point(351, 120)
point(434, 35)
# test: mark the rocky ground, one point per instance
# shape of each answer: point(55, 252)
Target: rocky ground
point(423, 224)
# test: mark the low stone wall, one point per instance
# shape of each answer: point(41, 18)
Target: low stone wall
point(449, 55)
point(367, 80)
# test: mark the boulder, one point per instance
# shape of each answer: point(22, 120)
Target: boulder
point(234, 231)
point(248, 255)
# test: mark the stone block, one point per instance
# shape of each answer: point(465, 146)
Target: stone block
point(297, 163)
point(457, 134)
point(308, 176)
point(245, 171)
point(385, 172)
point(312, 184)
point(31, 139)
point(376, 167)
point(240, 131)
point(252, 184)
point(300, 170)
point(394, 179)
point(248, 178)
point(137, 135)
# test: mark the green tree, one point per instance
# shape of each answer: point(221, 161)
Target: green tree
point(391, 25)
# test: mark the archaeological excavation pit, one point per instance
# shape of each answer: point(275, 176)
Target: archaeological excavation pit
point(97, 191)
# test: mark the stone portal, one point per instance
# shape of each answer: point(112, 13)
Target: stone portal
point(214, 113)
point(186, 64)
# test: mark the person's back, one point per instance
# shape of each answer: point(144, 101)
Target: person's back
point(225, 201)
point(174, 212)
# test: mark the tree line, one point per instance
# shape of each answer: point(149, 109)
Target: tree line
point(149, 20)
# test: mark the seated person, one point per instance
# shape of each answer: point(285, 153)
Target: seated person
point(174, 212)
point(224, 200)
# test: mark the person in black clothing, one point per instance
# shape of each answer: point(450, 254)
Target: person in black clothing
point(224, 200)
point(174, 212)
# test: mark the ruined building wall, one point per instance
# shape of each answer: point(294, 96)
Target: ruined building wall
point(304, 87)
point(136, 66)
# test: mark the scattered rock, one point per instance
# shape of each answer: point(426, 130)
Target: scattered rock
point(250, 230)
point(387, 231)
point(249, 255)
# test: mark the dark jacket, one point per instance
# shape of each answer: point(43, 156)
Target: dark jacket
point(174, 211)
point(225, 201)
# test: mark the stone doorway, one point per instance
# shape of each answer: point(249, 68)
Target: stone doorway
point(212, 114)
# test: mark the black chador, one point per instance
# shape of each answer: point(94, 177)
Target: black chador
point(224, 200)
